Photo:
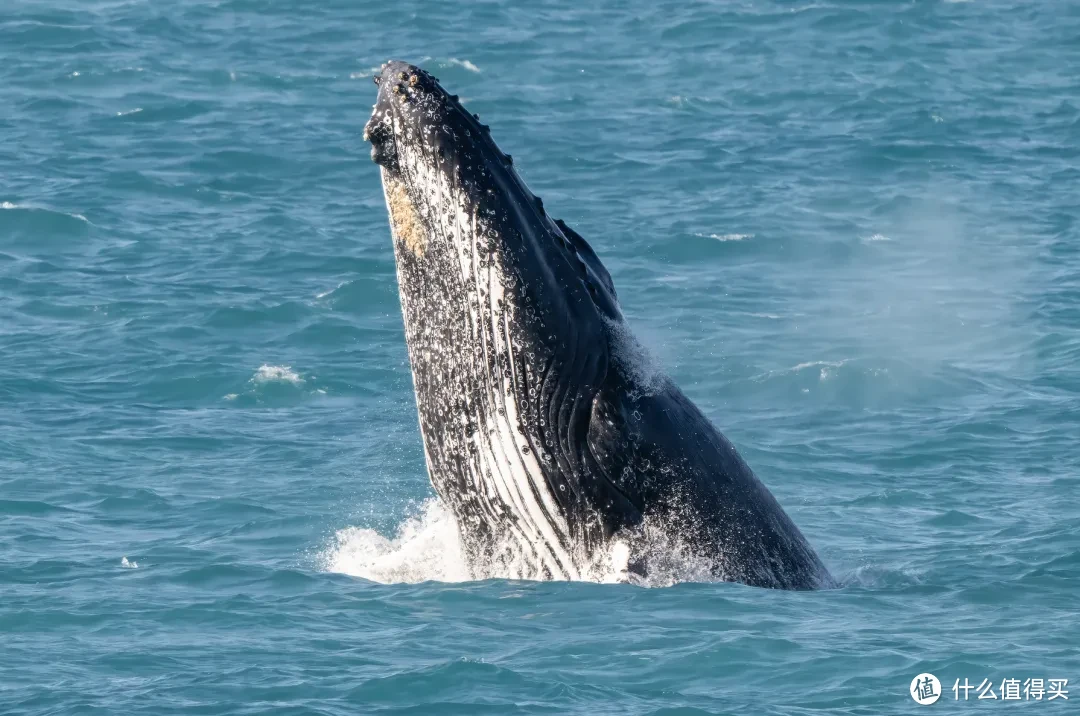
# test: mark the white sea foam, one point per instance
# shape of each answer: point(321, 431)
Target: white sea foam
point(825, 370)
point(726, 237)
point(463, 63)
point(361, 74)
point(326, 293)
point(9, 205)
point(427, 547)
point(876, 237)
point(276, 374)
point(816, 364)
point(811, 6)
point(126, 564)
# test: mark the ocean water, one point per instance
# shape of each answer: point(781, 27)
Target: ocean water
point(849, 231)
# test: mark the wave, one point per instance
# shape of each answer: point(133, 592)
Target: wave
point(10, 206)
point(463, 63)
point(450, 62)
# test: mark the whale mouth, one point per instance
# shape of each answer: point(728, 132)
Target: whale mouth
point(413, 108)
point(379, 129)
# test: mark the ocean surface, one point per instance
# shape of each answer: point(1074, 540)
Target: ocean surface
point(850, 231)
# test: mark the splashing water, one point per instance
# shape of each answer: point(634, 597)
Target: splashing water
point(427, 547)
point(637, 359)
point(276, 374)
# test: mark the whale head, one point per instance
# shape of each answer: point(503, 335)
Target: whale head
point(507, 317)
point(446, 182)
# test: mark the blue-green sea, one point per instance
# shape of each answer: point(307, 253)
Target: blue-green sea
point(850, 231)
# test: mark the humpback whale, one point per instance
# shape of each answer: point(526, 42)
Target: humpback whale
point(553, 444)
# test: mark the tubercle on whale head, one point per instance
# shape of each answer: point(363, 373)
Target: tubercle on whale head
point(412, 107)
